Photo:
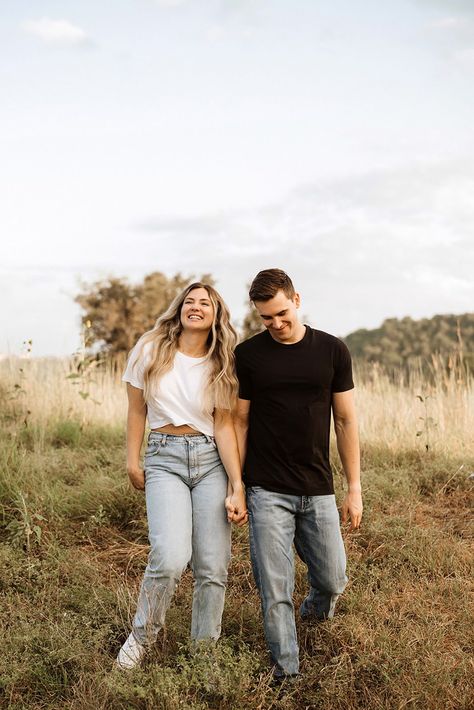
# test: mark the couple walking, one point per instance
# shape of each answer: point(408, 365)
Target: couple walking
point(212, 411)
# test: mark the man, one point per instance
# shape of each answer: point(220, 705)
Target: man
point(291, 377)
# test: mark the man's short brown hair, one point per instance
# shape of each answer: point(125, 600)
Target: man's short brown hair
point(267, 283)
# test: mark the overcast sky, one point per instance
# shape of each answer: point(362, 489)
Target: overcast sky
point(334, 140)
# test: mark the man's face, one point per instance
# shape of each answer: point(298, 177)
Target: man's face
point(279, 316)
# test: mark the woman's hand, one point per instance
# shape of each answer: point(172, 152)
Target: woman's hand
point(137, 477)
point(236, 508)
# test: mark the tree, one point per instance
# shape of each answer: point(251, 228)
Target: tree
point(399, 342)
point(119, 312)
point(252, 323)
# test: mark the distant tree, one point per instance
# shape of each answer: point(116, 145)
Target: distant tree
point(120, 312)
point(397, 342)
point(252, 323)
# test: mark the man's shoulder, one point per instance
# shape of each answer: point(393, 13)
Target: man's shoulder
point(320, 336)
point(251, 344)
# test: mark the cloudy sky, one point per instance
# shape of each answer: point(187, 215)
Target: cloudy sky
point(332, 139)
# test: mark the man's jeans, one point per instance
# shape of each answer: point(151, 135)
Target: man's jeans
point(312, 523)
point(185, 486)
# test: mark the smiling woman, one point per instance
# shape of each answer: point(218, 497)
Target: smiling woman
point(197, 314)
point(180, 375)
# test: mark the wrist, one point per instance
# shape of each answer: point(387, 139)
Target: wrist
point(354, 488)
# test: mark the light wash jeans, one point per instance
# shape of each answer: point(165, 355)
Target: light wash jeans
point(276, 522)
point(185, 487)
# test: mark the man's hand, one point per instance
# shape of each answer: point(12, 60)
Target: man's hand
point(137, 477)
point(352, 508)
point(236, 508)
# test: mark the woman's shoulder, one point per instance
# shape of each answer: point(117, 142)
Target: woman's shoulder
point(142, 350)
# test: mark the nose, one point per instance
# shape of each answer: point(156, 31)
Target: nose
point(277, 323)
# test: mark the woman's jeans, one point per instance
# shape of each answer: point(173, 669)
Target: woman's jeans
point(185, 487)
point(276, 522)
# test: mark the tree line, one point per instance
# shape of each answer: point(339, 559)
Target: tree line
point(399, 342)
point(116, 313)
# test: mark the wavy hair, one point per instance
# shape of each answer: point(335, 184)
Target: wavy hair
point(221, 387)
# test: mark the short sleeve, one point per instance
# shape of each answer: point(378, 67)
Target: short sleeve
point(243, 375)
point(342, 380)
point(136, 365)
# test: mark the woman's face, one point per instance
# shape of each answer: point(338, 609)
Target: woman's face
point(197, 311)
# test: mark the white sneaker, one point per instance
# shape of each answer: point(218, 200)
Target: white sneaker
point(130, 654)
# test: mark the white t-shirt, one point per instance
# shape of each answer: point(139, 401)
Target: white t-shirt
point(178, 397)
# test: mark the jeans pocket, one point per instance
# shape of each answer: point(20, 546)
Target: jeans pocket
point(153, 449)
point(251, 490)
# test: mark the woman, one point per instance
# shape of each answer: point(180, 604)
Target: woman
point(181, 376)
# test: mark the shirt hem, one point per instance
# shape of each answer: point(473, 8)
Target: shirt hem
point(327, 491)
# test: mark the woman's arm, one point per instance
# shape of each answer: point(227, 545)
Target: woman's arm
point(226, 441)
point(136, 419)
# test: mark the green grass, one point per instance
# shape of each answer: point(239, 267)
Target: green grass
point(74, 548)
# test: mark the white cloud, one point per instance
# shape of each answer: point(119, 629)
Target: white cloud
point(458, 27)
point(455, 36)
point(450, 23)
point(450, 5)
point(216, 32)
point(169, 3)
point(57, 32)
point(465, 57)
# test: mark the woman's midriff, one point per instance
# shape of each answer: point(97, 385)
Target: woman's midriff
point(177, 430)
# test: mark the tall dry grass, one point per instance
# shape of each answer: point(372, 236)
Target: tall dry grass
point(55, 389)
point(397, 410)
point(408, 409)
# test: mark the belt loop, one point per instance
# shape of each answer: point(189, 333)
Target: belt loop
point(163, 440)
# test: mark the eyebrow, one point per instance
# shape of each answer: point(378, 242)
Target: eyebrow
point(280, 313)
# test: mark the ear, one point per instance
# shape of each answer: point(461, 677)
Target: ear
point(297, 300)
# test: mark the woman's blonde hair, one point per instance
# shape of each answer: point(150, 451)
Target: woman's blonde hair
point(220, 390)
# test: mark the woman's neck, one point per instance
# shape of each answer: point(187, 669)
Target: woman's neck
point(193, 344)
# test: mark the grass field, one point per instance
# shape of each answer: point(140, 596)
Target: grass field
point(73, 549)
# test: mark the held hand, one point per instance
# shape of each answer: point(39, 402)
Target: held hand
point(236, 508)
point(352, 508)
point(137, 477)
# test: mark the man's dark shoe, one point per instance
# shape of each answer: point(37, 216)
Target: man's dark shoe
point(285, 679)
point(308, 613)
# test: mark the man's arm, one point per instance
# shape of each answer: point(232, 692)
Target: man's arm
point(241, 421)
point(347, 438)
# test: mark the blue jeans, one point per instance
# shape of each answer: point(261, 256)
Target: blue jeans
point(185, 487)
point(276, 522)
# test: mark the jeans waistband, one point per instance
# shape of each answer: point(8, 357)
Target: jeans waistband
point(160, 436)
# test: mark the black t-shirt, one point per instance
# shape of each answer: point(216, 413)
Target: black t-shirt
point(290, 389)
